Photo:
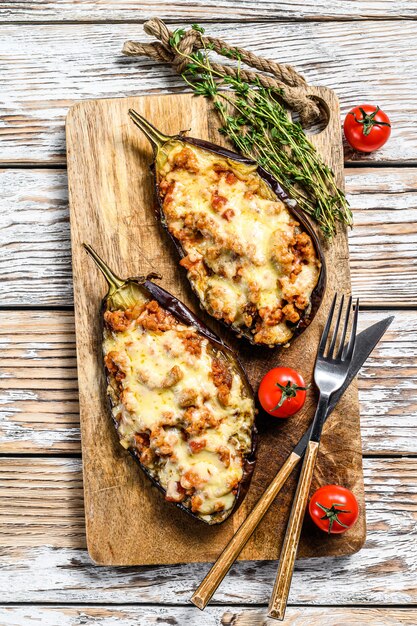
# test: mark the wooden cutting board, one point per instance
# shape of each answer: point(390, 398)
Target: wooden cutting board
point(112, 208)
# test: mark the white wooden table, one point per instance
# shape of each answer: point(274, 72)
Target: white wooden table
point(54, 52)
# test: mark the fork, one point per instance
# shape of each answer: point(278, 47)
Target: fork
point(330, 372)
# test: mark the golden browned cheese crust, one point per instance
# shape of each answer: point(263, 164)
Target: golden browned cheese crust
point(180, 406)
point(249, 261)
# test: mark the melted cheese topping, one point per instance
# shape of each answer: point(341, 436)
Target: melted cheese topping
point(248, 260)
point(167, 409)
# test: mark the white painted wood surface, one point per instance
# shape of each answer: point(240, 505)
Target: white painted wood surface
point(39, 398)
point(192, 10)
point(44, 558)
point(365, 50)
point(48, 67)
point(178, 616)
point(34, 230)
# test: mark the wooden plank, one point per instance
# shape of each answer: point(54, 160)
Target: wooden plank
point(384, 233)
point(38, 380)
point(363, 61)
point(44, 559)
point(39, 392)
point(35, 266)
point(188, 10)
point(42, 500)
point(35, 238)
point(105, 213)
point(213, 616)
point(387, 385)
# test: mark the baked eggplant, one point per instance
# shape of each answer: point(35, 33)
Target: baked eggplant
point(180, 400)
point(251, 256)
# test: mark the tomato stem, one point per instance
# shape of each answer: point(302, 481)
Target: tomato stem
point(332, 514)
point(288, 391)
point(368, 120)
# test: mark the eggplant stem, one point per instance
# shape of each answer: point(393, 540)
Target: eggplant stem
point(113, 281)
point(154, 135)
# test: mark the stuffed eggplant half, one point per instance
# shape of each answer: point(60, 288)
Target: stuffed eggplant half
point(180, 400)
point(251, 256)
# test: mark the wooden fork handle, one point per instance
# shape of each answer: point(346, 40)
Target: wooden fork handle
point(220, 568)
point(278, 602)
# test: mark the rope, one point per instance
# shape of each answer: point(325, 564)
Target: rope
point(293, 87)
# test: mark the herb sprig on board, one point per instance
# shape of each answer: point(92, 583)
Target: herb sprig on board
point(257, 123)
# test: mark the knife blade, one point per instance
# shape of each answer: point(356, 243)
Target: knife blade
point(365, 343)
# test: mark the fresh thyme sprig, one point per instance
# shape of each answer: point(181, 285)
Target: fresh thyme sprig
point(259, 126)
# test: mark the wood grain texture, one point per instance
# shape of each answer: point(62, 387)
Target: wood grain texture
point(178, 616)
point(363, 61)
point(35, 264)
point(38, 380)
point(35, 267)
point(111, 207)
point(39, 389)
point(234, 10)
point(384, 233)
point(45, 69)
point(221, 567)
point(280, 592)
point(44, 559)
point(41, 502)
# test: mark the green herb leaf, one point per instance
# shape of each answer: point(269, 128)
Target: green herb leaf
point(256, 121)
point(177, 35)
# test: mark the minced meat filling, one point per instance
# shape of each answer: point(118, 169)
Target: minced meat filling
point(181, 407)
point(250, 262)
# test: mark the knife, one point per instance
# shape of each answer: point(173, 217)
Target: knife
point(365, 343)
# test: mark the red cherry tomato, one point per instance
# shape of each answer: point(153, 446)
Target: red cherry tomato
point(367, 128)
point(333, 509)
point(282, 392)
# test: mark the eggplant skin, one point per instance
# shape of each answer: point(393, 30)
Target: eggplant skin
point(307, 315)
point(251, 275)
point(184, 316)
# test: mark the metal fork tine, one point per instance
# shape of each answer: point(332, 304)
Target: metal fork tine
point(345, 327)
point(352, 340)
point(326, 330)
point(336, 329)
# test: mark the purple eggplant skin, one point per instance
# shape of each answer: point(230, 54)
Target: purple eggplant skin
point(158, 139)
point(185, 316)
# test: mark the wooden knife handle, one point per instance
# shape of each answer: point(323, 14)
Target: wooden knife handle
point(278, 602)
point(220, 568)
